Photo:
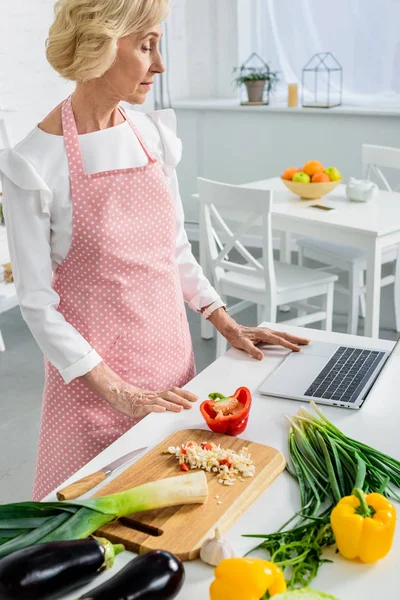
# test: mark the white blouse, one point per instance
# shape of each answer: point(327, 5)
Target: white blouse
point(38, 214)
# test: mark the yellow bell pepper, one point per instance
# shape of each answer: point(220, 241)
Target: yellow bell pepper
point(246, 579)
point(363, 526)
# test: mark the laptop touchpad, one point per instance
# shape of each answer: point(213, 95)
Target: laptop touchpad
point(294, 375)
point(320, 349)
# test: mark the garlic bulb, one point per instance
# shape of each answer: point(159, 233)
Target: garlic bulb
point(216, 549)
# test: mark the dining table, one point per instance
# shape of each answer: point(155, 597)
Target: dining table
point(372, 226)
point(374, 424)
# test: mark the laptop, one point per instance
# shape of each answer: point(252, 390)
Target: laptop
point(333, 374)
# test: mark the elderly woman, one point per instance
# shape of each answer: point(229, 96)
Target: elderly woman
point(96, 230)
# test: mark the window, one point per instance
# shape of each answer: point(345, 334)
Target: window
point(363, 35)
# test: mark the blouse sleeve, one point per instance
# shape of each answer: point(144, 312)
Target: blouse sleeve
point(197, 290)
point(27, 210)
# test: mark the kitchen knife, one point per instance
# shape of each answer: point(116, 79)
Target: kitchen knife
point(76, 489)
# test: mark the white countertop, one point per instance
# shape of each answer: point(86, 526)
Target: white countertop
point(376, 424)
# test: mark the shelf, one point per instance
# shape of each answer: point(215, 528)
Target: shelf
point(233, 104)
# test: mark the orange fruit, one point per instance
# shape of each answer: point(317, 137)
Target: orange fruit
point(312, 167)
point(289, 173)
point(320, 178)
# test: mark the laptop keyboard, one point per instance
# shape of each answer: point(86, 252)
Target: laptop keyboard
point(345, 375)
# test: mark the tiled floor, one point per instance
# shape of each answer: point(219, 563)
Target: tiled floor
point(21, 383)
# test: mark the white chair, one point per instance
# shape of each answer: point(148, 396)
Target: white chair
point(351, 259)
point(255, 281)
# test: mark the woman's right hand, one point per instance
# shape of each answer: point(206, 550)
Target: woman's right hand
point(133, 401)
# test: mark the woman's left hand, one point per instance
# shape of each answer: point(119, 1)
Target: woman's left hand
point(246, 338)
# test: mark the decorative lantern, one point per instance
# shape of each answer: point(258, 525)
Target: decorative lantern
point(258, 80)
point(322, 82)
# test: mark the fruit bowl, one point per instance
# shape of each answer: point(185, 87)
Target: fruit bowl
point(311, 191)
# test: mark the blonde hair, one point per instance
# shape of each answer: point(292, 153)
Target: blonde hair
point(83, 39)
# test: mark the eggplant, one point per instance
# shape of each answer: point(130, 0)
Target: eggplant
point(156, 575)
point(47, 571)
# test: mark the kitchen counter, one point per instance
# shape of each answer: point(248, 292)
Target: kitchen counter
point(375, 424)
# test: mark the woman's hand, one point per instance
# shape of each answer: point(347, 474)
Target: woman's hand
point(132, 401)
point(137, 403)
point(246, 338)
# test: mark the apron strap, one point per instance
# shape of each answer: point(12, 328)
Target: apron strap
point(71, 139)
point(150, 155)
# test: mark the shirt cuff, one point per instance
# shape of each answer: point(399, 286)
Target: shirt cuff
point(210, 309)
point(81, 366)
point(204, 298)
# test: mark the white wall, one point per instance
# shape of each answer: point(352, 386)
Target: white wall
point(27, 82)
point(202, 54)
point(228, 145)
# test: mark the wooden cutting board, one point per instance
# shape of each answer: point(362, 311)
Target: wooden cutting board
point(182, 529)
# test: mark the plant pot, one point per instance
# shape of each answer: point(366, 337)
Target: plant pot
point(255, 90)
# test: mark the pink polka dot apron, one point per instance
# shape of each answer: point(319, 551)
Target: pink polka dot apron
point(119, 287)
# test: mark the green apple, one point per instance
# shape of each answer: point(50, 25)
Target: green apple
point(333, 173)
point(301, 177)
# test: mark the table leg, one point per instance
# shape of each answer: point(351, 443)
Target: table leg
point(285, 255)
point(285, 252)
point(207, 329)
point(2, 344)
point(373, 295)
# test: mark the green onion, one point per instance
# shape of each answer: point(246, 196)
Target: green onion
point(327, 465)
point(49, 521)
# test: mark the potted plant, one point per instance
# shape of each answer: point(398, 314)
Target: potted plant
point(256, 79)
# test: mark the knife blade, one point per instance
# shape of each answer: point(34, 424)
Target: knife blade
point(76, 489)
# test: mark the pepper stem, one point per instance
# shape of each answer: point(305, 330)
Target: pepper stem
point(364, 509)
point(217, 396)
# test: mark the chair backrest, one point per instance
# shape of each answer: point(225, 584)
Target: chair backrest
point(243, 208)
point(374, 157)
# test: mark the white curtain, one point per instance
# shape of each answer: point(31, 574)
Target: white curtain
point(363, 35)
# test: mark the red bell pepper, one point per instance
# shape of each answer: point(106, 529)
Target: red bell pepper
point(227, 414)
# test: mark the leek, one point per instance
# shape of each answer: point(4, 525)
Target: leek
point(27, 523)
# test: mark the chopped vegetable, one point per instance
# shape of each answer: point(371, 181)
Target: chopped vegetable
point(364, 526)
point(227, 464)
point(53, 522)
point(48, 571)
point(227, 414)
point(304, 594)
point(156, 575)
point(327, 465)
point(246, 579)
